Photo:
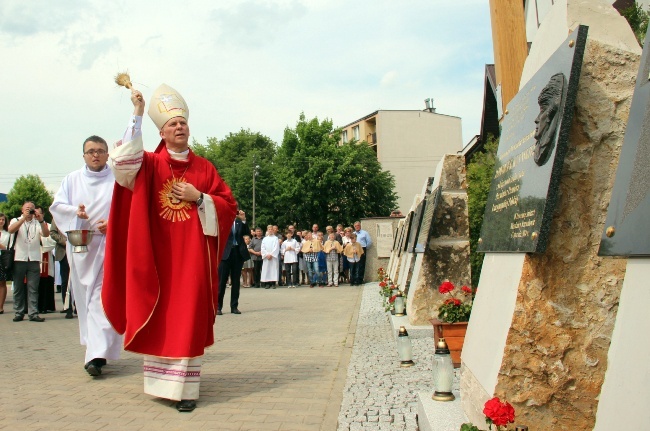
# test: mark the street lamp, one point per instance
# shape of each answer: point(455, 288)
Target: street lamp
point(256, 169)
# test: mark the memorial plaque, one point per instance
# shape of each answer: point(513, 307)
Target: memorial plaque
point(415, 226)
point(530, 157)
point(400, 234)
point(384, 235)
point(427, 220)
point(627, 232)
point(407, 231)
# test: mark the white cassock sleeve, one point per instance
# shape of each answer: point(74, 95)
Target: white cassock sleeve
point(208, 216)
point(63, 210)
point(126, 156)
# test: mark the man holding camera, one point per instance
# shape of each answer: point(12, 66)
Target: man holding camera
point(29, 229)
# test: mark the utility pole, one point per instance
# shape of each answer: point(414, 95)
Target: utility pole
point(256, 167)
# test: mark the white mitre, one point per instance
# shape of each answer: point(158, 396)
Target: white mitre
point(167, 103)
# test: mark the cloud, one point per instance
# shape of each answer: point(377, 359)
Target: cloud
point(91, 51)
point(255, 23)
point(388, 78)
point(26, 18)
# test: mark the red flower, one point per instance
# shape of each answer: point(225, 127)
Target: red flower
point(382, 284)
point(466, 289)
point(392, 299)
point(446, 287)
point(454, 301)
point(500, 413)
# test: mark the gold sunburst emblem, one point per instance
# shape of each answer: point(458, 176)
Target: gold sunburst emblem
point(173, 209)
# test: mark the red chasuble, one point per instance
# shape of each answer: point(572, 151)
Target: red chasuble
point(161, 272)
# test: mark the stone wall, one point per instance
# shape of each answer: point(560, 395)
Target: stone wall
point(556, 350)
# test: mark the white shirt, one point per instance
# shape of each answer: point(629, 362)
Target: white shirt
point(4, 238)
point(290, 256)
point(28, 241)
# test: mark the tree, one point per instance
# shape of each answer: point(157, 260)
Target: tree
point(27, 188)
point(480, 172)
point(235, 158)
point(319, 181)
point(638, 20)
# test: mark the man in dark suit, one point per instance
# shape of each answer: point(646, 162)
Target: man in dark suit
point(234, 255)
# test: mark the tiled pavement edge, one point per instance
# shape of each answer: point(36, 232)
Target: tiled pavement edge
point(379, 395)
point(278, 366)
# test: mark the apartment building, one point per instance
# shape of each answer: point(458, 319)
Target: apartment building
point(408, 143)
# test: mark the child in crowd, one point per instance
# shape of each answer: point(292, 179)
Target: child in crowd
point(247, 270)
point(332, 249)
point(353, 252)
point(310, 248)
point(345, 240)
point(290, 249)
point(302, 267)
point(322, 263)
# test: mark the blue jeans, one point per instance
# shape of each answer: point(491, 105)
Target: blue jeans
point(355, 277)
point(312, 270)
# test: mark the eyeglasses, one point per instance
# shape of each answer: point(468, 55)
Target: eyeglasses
point(96, 152)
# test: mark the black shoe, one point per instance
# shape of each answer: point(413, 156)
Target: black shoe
point(63, 311)
point(235, 311)
point(186, 405)
point(267, 287)
point(93, 369)
point(36, 319)
point(219, 313)
point(69, 316)
point(18, 319)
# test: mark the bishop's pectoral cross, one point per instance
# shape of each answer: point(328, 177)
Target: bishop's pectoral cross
point(173, 199)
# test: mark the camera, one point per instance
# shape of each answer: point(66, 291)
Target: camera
point(32, 211)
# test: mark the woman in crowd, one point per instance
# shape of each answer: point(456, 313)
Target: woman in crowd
point(4, 244)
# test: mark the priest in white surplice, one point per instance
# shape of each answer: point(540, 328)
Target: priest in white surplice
point(270, 258)
point(83, 202)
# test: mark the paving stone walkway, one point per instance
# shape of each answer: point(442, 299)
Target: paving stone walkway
point(281, 365)
point(379, 394)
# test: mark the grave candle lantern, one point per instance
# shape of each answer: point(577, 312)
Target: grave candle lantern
point(399, 304)
point(404, 348)
point(443, 372)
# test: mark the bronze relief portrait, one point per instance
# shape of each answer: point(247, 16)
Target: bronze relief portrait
point(550, 101)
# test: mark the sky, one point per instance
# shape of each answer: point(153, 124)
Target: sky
point(239, 65)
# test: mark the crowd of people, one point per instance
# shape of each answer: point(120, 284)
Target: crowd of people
point(301, 257)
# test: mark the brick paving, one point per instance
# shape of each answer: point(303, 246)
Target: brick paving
point(281, 365)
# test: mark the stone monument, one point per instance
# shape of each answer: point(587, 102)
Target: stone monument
point(441, 241)
point(541, 326)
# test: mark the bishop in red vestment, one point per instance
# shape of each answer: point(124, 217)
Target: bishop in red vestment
point(170, 217)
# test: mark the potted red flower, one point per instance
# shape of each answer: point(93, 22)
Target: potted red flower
point(453, 315)
point(497, 412)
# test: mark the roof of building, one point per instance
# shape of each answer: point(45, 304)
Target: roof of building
point(372, 114)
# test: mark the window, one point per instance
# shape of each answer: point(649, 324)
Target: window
point(345, 136)
point(355, 132)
